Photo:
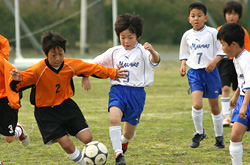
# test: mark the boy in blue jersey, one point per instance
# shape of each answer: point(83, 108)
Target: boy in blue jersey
point(201, 51)
point(231, 36)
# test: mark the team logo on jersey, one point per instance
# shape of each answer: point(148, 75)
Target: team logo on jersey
point(127, 64)
point(199, 46)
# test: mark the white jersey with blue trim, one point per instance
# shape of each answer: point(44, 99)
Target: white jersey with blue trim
point(136, 61)
point(242, 67)
point(200, 47)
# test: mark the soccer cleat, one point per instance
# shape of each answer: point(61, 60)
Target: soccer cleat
point(226, 121)
point(24, 138)
point(219, 142)
point(120, 160)
point(124, 147)
point(197, 139)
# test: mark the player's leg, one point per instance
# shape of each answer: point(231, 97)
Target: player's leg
point(69, 147)
point(127, 135)
point(20, 134)
point(217, 121)
point(115, 133)
point(225, 99)
point(236, 147)
point(85, 136)
point(197, 116)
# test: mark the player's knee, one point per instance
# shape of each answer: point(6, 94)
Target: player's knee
point(9, 139)
point(197, 106)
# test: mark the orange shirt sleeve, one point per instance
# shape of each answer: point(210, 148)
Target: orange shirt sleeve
point(13, 97)
point(246, 40)
point(4, 47)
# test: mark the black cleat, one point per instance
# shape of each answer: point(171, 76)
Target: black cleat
point(219, 142)
point(120, 160)
point(197, 139)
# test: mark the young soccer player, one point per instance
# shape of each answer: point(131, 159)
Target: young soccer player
point(231, 36)
point(232, 13)
point(127, 97)
point(57, 115)
point(9, 100)
point(201, 51)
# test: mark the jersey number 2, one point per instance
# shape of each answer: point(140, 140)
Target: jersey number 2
point(58, 86)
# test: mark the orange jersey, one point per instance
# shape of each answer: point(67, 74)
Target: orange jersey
point(5, 91)
point(50, 87)
point(4, 47)
point(246, 40)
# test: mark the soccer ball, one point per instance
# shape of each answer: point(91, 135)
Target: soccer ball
point(95, 153)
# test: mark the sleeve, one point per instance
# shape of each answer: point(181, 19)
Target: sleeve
point(28, 79)
point(89, 69)
point(105, 59)
point(218, 45)
point(246, 40)
point(13, 97)
point(184, 49)
point(4, 47)
point(246, 71)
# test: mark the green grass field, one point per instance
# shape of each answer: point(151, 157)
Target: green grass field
point(162, 137)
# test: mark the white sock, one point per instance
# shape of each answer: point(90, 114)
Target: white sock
point(115, 136)
point(225, 105)
point(18, 131)
point(124, 140)
point(197, 116)
point(236, 152)
point(76, 157)
point(218, 127)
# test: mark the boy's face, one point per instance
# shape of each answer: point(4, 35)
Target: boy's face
point(128, 40)
point(197, 19)
point(56, 57)
point(232, 17)
point(229, 50)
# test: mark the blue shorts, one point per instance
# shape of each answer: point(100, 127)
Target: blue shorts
point(208, 83)
point(130, 100)
point(235, 115)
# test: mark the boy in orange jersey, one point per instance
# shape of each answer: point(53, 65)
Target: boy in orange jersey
point(9, 100)
point(232, 13)
point(57, 115)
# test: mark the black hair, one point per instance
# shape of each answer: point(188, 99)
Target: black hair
point(232, 32)
point(232, 6)
point(52, 40)
point(197, 5)
point(134, 23)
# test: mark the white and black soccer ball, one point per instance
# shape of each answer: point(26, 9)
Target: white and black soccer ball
point(95, 153)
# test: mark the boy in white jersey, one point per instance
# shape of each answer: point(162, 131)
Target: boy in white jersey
point(200, 50)
point(127, 97)
point(231, 36)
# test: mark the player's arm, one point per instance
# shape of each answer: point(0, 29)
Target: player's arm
point(86, 83)
point(183, 68)
point(155, 56)
point(212, 64)
point(5, 48)
point(243, 109)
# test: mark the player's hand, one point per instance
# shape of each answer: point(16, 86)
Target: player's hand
point(242, 112)
point(233, 102)
point(121, 73)
point(148, 47)
point(210, 66)
point(86, 83)
point(183, 71)
point(15, 74)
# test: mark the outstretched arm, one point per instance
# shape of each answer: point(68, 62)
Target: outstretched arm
point(86, 83)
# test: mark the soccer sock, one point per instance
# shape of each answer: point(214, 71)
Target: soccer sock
point(218, 127)
point(225, 105)
point(76, 157)
point(236, 152)
point(115, 136)
point(19, 132)
point(197, 116)
point(124, 140)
